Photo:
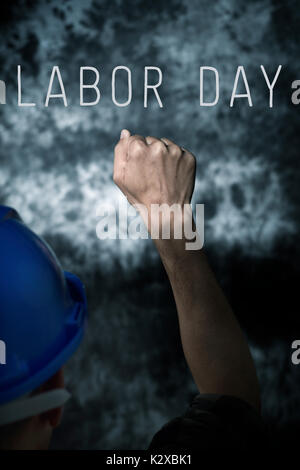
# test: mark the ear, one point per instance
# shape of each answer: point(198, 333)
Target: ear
point(53, 417)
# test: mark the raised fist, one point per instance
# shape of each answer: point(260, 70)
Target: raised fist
point(153, 171)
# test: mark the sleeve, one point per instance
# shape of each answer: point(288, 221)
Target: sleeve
point(212, 422)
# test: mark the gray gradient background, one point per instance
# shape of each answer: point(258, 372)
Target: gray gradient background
point(129, 376)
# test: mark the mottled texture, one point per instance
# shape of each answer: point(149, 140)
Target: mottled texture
point(129, 377)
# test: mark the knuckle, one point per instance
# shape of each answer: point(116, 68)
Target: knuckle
point(191, 160)
point(158, 148)
point(137, 146)
point(175, 150)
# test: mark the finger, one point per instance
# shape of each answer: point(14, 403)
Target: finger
point(124, 134)
point(170, 142)
point(138, 137)
point(172, 147)
point(167, 141)
point(122, 147)
point(150, 140)
point(154, 140)
point(122, 143)
point(124, 138)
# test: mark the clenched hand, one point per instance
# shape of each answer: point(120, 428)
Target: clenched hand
point(153, 171)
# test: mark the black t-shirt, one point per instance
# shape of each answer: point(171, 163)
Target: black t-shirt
point(212, 422)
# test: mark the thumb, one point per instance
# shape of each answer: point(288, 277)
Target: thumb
point(124, 134)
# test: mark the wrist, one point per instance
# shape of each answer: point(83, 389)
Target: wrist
point(172, 228)
point(175, 249)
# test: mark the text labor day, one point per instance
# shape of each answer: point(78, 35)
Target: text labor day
point(153, 79)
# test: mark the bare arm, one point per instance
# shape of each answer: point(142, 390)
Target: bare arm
point(158, 171)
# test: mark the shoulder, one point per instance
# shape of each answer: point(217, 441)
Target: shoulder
point(212, 422)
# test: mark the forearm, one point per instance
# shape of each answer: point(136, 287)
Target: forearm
point(157, 171)
point(214, 346)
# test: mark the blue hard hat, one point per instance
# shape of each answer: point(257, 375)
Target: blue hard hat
point(42, 309)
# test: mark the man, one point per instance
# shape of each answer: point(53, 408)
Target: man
point(226, 413)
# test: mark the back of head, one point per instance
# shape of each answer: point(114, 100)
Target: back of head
point(42, 312)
